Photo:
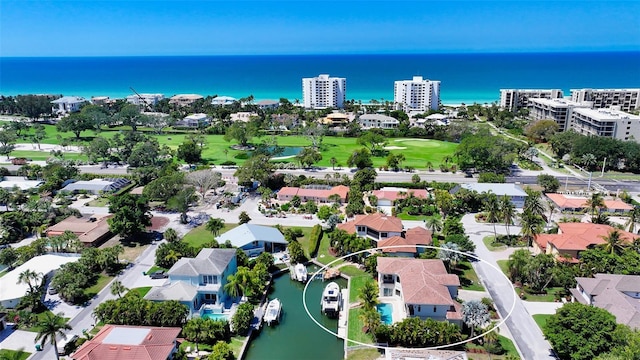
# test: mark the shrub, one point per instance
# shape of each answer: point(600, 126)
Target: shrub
point(314, 239)
point(228, 163)
point(285, 207)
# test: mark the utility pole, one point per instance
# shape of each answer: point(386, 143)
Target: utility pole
point(589, 185)
point(604, 163)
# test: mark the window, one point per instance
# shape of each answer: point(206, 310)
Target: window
point(434, 309)
point(384, 235)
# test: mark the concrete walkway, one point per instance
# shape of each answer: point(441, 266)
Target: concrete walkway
point(18, 340)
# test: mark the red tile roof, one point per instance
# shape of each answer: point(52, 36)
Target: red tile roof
point(393, 195)
point(562, 201)
point(414, 236)
point(377, 221)
point(341, 190)
point(423, 281)
point(291, 191)
point(157, 344)
point(579, 236)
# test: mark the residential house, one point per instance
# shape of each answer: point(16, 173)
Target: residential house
point(618, 294)
point(92, 230)
point(513, 191)
point(268, 104)
point(97, 186)
point(254, 239)
point(144, 99)
point(377, 121)
point(68, 104)
point(408, 240)
point(184, 99)
point(576, 204)
point(19, 182)
point(199, 120)
point(317, 193)
point(374, 226)
point(102, 100)
point(131, 343)
point(223, 100)
point(387, 196)
point(573, 238)
point(434, 119)
point(244, 116)
point(335, 119)
point(12, 290)
point(287, 120)
point(199, 281)
point(424, 288)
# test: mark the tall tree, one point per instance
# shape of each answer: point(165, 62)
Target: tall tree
point(474, 314)
point(131, 215)
point(50, 327)
point(507, 213)
point(76, 123)
point(614, 243)
point(117, 288)
point(204, 180)
point(368, 293)
point(492, 208)
point(595, 203)
point(189, 152)
point(215, 225)
point(531, 225)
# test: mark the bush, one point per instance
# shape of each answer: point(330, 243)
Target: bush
point(228, 163)
point(285, 207)
point(241, 156)
point(314, 239)
point(487, 177)
point(242, 319)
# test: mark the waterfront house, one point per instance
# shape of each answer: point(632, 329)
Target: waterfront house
point(317, 193)
point(513, 191)
point(131, 343)
point(68, 104)
point(254, 239)
point(423, 287)
point(392, 353)
point(408, 240)
point(618, 294)
point(377, 121)
point(577, 204)
point(199, 281)
point(185, 99)
point(573, 238)
point(144, 99)
point(92, 230)
point(387, 196)
point(374, 226)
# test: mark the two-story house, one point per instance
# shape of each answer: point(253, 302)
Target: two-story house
point(374, 226)
point(254, 239)
point(405, 245)
point(199, 281)
point(424, 288)
point(514, 192)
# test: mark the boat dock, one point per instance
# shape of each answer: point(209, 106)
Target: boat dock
point(343, 316)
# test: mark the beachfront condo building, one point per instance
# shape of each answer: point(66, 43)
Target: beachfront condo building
point(608, 122)
point(559, 110)
point(626, 99)
point(417, 95)
point(324, 92)
point(144, 99)
point(516, 99)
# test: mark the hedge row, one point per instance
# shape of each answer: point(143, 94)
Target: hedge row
point(314, 241)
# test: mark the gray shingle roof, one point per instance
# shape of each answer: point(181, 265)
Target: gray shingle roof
point(208, 262)
point(608, 292)
point(179, 291)
point(247, 233)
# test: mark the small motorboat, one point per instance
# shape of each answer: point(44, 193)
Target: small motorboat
point(301, 272)
point(272, 314)
point(331, 300)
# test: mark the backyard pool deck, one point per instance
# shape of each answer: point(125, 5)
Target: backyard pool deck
point(398, 314)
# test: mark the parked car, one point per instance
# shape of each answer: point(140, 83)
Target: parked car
point(52, 290)
point(159, 274)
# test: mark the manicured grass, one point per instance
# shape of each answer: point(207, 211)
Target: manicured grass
point(468, 277)
point(323, 252)
point(355, 284)
point(103, 280)
point(417, 152)
point(3, 273)
point(508, 346)
point(41, 155)
point(550, 296)
point(100, 202)
point(153, 269)
point(236, 345)
point(363, 354)
point(142, 291)
point(200, 236)
point(40, 317)
point(352, 271)
point(541, 320)
point(304, 240)
point(488, 242)
point(355, 328)
point(503, 266)
point(405, 216)
point(12, 354)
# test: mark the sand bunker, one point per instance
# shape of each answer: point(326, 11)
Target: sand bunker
point(394, 147)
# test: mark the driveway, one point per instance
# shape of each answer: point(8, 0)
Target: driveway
point(526, 334)
point(11, 339)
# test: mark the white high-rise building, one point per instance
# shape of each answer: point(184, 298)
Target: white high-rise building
point(417, 95)
point(625, 99)
point(515, 99)
point(609, 122)
point(559, 110)
point(323, 92)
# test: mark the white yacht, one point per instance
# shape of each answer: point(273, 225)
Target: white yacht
point(272, 314)
point(331, 299)
point(301, 272)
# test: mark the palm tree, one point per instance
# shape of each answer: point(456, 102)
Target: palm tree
point(30, 278)
point(492, 207)
point(196, 330)
point(429, 166)
point(434, 224)
point(215, 225)
point(171, 235)
point(474, 314)
point(634, 217)
point(369, 295)
point(552, 208)
point(240, 283)
point(595, 203)
point(533, 202)
point(333, 162)
point(450, 257)
point(117, 288)
point(508, 213)
point(370, 320)
point(50, 327)
point(531, 226)
point(491, 336)
point(614, 243)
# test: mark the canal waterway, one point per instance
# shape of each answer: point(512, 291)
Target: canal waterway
point(297, 336)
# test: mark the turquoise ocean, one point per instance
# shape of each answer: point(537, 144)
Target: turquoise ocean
point(468, 77)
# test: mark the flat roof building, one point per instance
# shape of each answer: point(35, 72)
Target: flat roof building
point(416, 95)
point(323, 92)
point(68, 104)
point(96, 186)
point(626, 99)
point(515, 99)
point(606, 122)
point(185, 99)
point(559, 110)
point(20, 182)
point(377, 121)
point(144, 99)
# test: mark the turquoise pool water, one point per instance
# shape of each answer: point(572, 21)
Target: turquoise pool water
point(207, 314)
point(385, 311)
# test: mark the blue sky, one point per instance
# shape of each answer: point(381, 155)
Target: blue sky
point(116, 28)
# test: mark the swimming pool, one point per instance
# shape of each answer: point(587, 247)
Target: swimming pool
point(386, 311)
point(208, 314)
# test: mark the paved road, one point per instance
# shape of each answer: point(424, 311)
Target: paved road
point(526, 334)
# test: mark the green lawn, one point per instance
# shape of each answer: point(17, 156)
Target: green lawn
point(103, 280)
point(550, 296)
point(417, 152)
point(488, 242)
point(142, 291)
point(363, 354)
point(352, 271)
point(154, 268)
point(355, 328)
point(468, 277)
point(11, 354)
point(42, 316)
point(541, 320)
point(41, 155)
point(503, 266)
point(304, 240)
point(236, 345)
point(100, 202)
point(323, 252)
point(355, 284)
point(200, 236)
point(508, 346)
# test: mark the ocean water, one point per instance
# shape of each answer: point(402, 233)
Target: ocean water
point(464, 77)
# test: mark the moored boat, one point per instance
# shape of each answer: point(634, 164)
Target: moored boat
point(301, 272)
point(273, 312)
point(331, 299)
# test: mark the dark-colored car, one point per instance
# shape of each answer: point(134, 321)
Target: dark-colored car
point(159, 274)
